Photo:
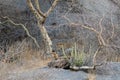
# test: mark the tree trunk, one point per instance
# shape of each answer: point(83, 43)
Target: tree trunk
point(46, 38)
point(41, 17)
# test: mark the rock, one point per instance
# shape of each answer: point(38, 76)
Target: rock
point(110, 71)
point(60, 63)
point(83, 11)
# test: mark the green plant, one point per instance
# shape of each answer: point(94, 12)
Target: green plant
point(64, 54)
point(76, 57)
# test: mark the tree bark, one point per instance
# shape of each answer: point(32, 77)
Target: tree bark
point(41, 17)
point(46, 38)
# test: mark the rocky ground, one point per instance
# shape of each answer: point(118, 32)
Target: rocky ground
point(109, 71)
point(62, 33)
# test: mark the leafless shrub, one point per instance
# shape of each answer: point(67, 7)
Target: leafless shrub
point(104, 31)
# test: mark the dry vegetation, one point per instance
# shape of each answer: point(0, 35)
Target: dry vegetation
point(105, 35)
point(21, 57)
point(24, 55)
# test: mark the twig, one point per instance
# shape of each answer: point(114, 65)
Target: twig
point(35, 12)
point(38, 8)
point(52, 7)
point(113, 30)
point(96, 52)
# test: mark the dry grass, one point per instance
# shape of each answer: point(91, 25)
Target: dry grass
point(91, 75)
point(7, 68)
point(25, 57)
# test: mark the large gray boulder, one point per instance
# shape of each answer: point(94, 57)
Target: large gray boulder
point(110, 71)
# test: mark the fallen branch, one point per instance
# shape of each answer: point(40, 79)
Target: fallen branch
point(86, 68)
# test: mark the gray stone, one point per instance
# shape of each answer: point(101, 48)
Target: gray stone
point(59, 63)
point(110, 71)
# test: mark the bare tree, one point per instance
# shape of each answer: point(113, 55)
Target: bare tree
point(41, 17)
point(100, 32)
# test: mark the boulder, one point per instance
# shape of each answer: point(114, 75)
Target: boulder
point(110, 71)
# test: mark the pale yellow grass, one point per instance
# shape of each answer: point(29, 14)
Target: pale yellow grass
point(28, 58)
point(92, 75)
point(31, 65)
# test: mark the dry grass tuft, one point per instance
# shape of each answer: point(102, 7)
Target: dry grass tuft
point(20, 57)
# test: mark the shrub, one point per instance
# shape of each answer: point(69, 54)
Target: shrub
point(76, 57)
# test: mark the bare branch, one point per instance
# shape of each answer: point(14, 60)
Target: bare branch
point(37, 4)
point(41, 17)
point(113, 31)
point(100, 38)
point(27, 32)
point(65, 15)
point(102, 42)
point(35, 12)
point(38, 8)
point(86, 27)
point(52, 7)
point(100, 25)
point(96, 52)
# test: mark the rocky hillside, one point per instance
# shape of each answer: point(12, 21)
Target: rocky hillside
point(65, 24)
point(93, 26)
